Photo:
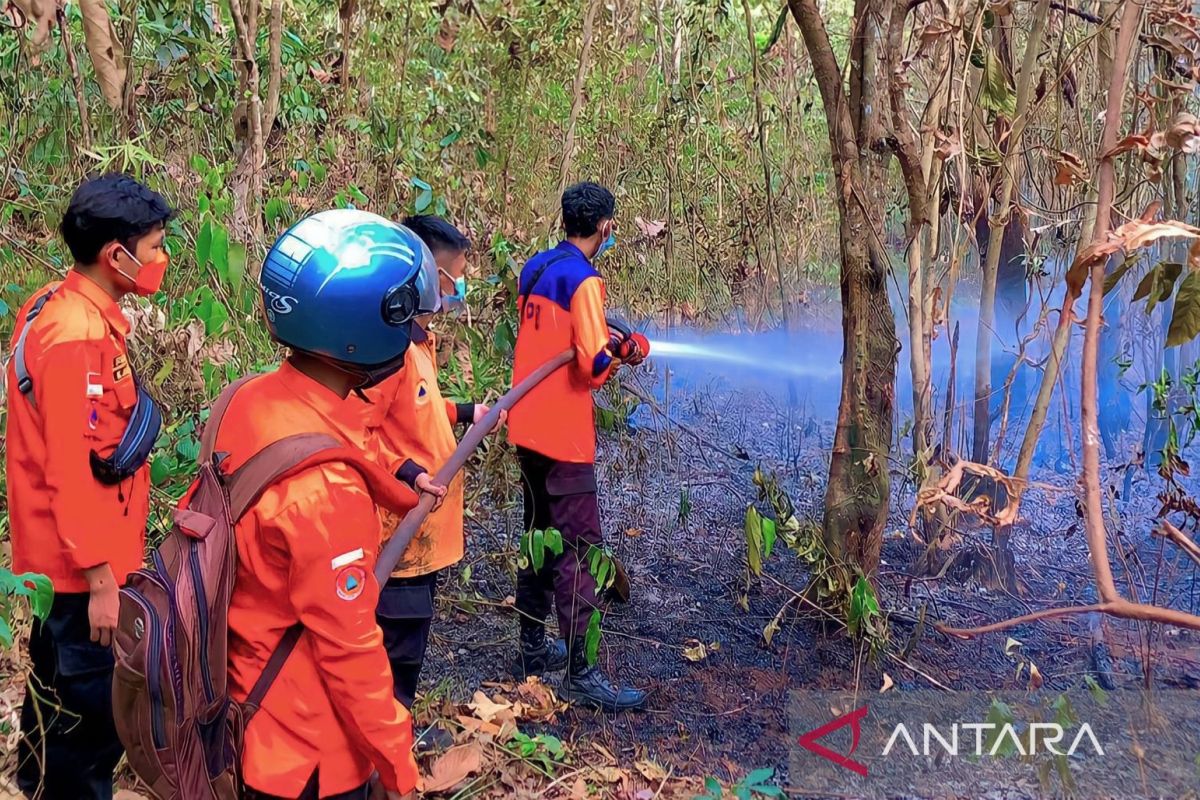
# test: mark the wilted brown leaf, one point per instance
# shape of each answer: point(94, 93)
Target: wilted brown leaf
point(453, 767)
point(38, 13)
point(447, 34)
point(537, 701)
point(476, 725)
point(108, 57)
point(1071, 169)
point(948, 145)
point(1184, 133)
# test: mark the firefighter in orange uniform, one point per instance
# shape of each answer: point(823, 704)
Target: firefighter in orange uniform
point(307, 549)
point(80, 429)
point(411, 433)
point(561, 305)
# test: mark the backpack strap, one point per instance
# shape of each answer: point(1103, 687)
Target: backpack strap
point(537, 275)
point(208, 437)
point(24, 380)
point(290, 456)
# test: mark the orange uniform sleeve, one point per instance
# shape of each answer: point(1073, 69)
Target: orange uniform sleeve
point(61, 389)
point(332, 538)
point(589, 332)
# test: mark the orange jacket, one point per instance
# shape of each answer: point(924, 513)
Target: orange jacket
point(306, 552)
point(565, 309)
point(64, 520)
point(408, 420)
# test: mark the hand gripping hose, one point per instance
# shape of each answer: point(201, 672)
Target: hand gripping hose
point(394, 549)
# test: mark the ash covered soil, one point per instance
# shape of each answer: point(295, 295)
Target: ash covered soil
point(727, 714)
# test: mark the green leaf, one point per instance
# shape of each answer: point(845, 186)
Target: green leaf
point(237, 264)
point(997, 93)
point(592, 637)
point(1185, 318)
point(537, 549)
point(1157, 284)
point(204, 244)
point(554, 541)
point(220, 253)
point(41, 596)
point(164, 372)
point(759, 776)
point(685, 505)
point(777, 31)
point(863, 605)
point(1096, 690)
point(160, 470)
point(754, 540)
point(450, 138)
point(768, 535)
point(1111, 280)
point(3, 308)
point(6, 634)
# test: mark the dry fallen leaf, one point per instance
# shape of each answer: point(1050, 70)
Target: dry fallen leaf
point(651, 770)
point(1035, 676)
point(453, 767)
point(490, 710)
point(887, 683)
point(1010, 646)
point(538, 702)
point(696, 650)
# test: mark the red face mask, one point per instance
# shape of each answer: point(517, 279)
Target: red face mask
point(150, 275)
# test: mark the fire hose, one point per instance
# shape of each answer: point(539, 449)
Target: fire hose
point(393, 550)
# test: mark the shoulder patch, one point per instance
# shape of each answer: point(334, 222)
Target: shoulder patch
point(350, 582)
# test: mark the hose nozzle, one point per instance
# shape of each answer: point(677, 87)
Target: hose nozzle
point(626, 344)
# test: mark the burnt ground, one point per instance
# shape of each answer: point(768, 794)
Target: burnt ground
point(726, 715)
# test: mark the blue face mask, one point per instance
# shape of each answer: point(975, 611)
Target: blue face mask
point(460, 292)
point(606, 245)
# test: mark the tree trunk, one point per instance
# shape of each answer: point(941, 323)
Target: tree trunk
point(998, 222)
point(856, 498)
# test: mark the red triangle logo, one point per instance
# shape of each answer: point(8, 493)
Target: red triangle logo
point(854, 719)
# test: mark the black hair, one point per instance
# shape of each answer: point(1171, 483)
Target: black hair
point(437, 234)
point(584, 206)
point(110, 208)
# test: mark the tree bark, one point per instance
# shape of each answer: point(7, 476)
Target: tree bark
point(856, 498)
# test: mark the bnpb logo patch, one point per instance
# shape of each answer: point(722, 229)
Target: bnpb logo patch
point(350, 582)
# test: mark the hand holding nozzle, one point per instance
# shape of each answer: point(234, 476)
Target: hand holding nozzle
point(625, 344)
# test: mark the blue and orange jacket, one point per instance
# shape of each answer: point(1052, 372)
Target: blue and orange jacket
point(565, 308)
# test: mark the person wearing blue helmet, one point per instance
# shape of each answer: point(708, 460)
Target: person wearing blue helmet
point(340, 290)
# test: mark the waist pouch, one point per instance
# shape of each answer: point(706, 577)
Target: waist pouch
point(135, 446)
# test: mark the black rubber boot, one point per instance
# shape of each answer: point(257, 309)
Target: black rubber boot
point(587, 685)
point(538, 655)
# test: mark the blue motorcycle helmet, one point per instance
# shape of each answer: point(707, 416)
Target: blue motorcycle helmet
point(344, 285)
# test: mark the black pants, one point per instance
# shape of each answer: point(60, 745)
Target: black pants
point(69, 746)
point(562, 495)
point(310, 793)
point(405, 614)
